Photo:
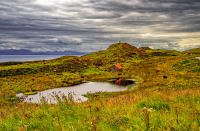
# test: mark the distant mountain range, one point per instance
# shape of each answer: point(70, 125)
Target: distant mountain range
point(28, 52)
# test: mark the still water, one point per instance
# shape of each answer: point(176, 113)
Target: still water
point(78, 91)
point(198, 58)
point(8, 58)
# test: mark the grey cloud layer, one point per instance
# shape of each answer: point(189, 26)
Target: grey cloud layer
point(90, 25)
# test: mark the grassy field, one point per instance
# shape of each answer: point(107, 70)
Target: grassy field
point(157, 103)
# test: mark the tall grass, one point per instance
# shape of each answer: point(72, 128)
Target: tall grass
point(180, 111)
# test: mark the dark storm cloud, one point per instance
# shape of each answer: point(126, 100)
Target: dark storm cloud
point(90, 25)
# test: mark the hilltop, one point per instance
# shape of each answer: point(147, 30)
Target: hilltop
point(124, 49)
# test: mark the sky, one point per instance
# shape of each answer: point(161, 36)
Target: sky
point(92, 25)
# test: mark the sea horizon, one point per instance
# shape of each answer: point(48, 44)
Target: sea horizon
point(24, 58)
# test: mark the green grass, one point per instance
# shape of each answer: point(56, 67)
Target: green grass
point(30, 93)
point(154, 104)
point(189, 65)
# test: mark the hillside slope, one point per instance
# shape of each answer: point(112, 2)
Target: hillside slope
point(166, 98)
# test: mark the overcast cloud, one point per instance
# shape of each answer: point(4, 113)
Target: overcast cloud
point(91, 25)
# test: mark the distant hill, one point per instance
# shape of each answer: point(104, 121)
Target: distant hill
point(28, 52)
point(193, 51)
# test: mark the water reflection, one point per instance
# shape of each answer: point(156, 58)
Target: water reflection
point(122, 81)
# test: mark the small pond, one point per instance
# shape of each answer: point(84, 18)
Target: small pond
point(77, 91)
point(198, 58)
